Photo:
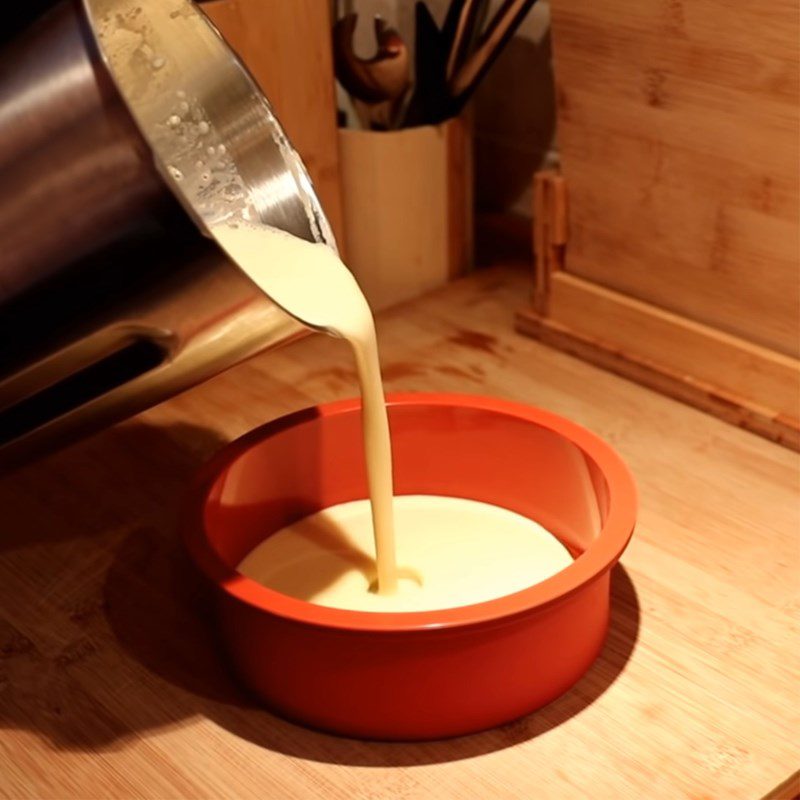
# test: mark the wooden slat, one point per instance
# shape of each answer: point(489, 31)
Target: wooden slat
point(722, 360)
point(741, 382)
point(550, 231)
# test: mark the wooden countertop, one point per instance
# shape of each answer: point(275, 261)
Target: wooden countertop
point(110, 685)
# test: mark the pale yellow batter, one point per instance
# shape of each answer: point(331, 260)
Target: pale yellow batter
point(311, 283)
point(451, 552)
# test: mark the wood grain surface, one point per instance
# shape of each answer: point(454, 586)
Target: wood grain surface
point(679, 130)
point(745, 383)
point(738, 381)
point(111, 685)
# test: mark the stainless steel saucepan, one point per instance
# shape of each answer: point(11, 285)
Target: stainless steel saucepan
point(128, 132)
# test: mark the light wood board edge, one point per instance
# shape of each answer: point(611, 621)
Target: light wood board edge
point(788, 790)
point(655, 375)
point(733, 365)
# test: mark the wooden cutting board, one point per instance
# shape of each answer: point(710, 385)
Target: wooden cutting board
point(112, 684)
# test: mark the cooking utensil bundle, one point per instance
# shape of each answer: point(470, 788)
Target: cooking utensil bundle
point(449, 62)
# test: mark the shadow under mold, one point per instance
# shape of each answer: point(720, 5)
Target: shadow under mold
point(153, 628)
point(193, 660)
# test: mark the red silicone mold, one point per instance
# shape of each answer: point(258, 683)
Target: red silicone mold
point(429, 674)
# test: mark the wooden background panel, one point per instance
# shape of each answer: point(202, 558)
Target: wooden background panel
point(678, 129)
point(286, 44)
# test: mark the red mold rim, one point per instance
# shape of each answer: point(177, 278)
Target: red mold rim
point(597, 559)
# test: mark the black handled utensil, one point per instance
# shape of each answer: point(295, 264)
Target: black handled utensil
point(461, 27)
point(466, 78)
point(430, 101)
point(450, 63)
